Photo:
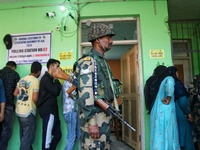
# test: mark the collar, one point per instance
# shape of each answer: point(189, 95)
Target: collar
point(95, 52)
point(48, 75)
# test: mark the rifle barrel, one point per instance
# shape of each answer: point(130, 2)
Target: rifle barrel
point(121, 119)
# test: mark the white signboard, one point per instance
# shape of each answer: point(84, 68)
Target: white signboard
point(28, 48)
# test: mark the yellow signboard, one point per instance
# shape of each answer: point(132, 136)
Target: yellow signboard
point(65, 56)
point(157, 53)
point(67, 69)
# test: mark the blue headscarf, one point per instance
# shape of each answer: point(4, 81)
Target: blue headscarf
point(180, 89)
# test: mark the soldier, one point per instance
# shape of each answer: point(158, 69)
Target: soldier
point(194, 90)
point(95, 82)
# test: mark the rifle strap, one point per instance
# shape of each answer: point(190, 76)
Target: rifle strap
point(111, 84)
point(95, 78)
point(96, 84)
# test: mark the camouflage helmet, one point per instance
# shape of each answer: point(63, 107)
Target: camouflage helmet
point(99, 30)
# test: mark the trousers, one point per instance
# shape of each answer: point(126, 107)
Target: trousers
point(7, 127)
point(73, 129)
point(51, 128)
point(27, 131)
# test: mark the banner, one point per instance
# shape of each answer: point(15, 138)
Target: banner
point(27, 48)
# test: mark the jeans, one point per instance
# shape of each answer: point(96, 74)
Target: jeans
point(73, 129)
point(7, 127)
point(27, 131)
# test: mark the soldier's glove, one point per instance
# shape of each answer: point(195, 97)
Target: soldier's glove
point(94, 131)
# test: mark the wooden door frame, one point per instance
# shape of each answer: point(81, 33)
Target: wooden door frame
point(140, 125)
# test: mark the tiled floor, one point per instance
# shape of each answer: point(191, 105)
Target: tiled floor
point(118, 145)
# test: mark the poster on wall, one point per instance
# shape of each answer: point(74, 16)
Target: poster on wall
point(30, 47)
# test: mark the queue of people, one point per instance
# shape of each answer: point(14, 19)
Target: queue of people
point(166, 99)
point(171, 117)
point(85, 119)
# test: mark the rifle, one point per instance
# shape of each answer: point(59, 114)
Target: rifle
point(106, 107)
point(61, 75)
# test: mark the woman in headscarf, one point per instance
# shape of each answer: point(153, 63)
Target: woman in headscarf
point(159, 98)
point(183, 112)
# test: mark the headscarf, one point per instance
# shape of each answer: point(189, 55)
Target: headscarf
point(152, 85)
point(172, 71)
point(180, 89)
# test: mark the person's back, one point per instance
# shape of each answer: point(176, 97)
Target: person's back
point(183, 112)
point(27, 95)
point(25, 104)
point(159, 97)
point(10, 79)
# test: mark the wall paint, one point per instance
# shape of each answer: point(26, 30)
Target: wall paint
point(188, 30)
point(154, 35)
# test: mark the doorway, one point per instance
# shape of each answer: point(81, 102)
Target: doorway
point(182, 60)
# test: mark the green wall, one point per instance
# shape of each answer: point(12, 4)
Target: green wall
point(15, 19)
point(154, 35)
point(188, 30)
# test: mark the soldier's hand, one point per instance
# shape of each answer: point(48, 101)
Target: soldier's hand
point(94, 131)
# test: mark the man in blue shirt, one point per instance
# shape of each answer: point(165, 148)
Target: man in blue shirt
point(2, 103)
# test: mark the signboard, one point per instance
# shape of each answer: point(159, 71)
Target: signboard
point(157, 53)
point(31, 47)
point(65, 56)
point(67, 69)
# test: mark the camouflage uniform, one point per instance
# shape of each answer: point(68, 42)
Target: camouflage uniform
point(91, 114)
point(194, 90)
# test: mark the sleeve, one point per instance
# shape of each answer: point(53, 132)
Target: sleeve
point(86, 95)
point(36, 86)
point(170, 87)
point(2, 92)
point(17, 78)
point(65, 87)
point(184, 104)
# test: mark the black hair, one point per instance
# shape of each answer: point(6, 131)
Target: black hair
point(52, 62)
point(11, 64)
point(74, 66)
point(36, 67)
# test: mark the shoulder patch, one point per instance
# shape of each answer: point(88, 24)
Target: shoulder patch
point(87, 58)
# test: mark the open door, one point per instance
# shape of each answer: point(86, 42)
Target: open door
point(183, 66)
point(131, 98)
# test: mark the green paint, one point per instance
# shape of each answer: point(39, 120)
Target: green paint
point(154, 35)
